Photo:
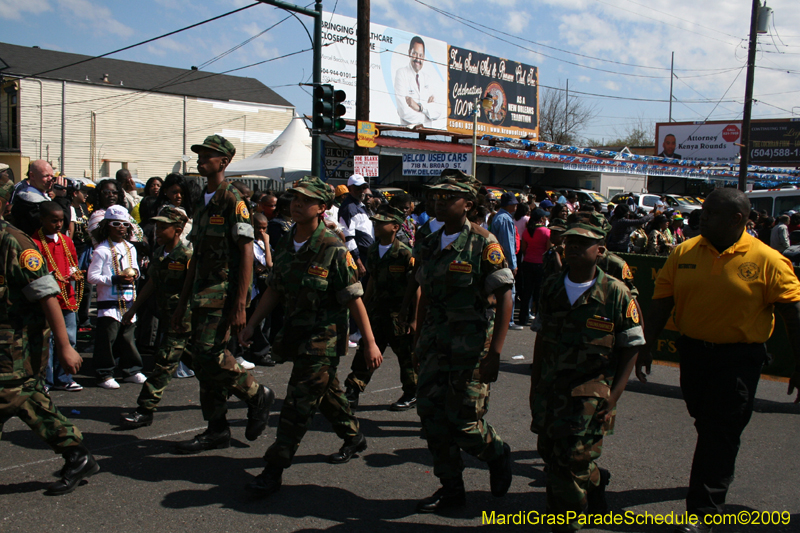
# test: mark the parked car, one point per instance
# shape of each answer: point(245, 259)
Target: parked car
point(684, 204)
point(644, 201)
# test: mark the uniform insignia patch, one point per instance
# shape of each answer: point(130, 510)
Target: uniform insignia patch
point(2, 280)
point(217, 220)
point(241, 210)
point(602, 325)
point(494, 254)
point(318, 271)
point(31, 260)
point(460, 266)
point(350, 262)
point(626, 272)
point(749, 271)
point(633, 312)
point(397, 268)
point(175, 265)
point(412, 262)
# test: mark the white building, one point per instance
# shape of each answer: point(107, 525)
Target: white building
point(91, 118)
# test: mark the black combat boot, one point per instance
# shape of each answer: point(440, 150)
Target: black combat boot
point(350, 447)
point(597, 497)
point(500, 473)
point(216, 437)
point(80, 464)
point(449, 496)
point(136, 419)
point(267, 482)
point(407, 401)
point(352, 397)
point(258, 413)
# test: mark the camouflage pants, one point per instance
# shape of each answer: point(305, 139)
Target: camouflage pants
point(172, 350)
point(215, 368)
point(402, 346)
point(451, 406)
point(571, 472)
point(313, 385)
point(33, 406)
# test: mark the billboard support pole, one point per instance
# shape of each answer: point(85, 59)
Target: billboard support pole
point(362, 68)
point(748, 97)
point(671, 77)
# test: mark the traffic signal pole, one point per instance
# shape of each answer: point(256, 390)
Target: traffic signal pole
point(316, 13)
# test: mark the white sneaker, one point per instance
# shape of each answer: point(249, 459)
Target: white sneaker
point(352, 344)
point(355, 336)
point(247, 365)
point(110, 383)
point(138, 378)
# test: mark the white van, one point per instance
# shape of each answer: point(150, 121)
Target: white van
point(776, 201)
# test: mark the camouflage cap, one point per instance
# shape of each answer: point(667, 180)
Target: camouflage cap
point(588, 224)
point(218, 143)
point(171, 215)
point(389, 214)
point(557, 224)
point(313, 187)
point(457, 181)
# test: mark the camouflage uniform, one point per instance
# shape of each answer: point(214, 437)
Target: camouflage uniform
point(315, 284)
point(168, 273)
point(390, 275)
point(216, 229)
point(458, 284)
point(24, 281)
point(617, 267)
point(578, 350)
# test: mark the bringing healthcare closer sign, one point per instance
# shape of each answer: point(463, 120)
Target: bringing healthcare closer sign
point(418, 80)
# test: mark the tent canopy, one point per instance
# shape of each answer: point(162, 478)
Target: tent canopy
point(286, 158)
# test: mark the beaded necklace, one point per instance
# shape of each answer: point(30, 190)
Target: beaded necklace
point(63, 282)
point(123, 306)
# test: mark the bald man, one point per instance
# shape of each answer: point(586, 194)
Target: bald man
point(39, 182)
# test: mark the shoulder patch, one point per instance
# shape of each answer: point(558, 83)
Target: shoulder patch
point(633, 312)
point(350, 262)
point(626, 272)
point(241, 210)
point(494, 254)
point(2, 280)
point(411, 262)
point(31, 260)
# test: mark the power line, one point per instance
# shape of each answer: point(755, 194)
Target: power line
point(651, 8)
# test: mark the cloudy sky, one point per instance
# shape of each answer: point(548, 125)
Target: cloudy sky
point(616, 51)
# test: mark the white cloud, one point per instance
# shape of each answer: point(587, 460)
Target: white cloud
point(14, 9)
point(97, 17)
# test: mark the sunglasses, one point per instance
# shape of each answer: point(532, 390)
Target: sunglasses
point(447, 196)
point(119, 224)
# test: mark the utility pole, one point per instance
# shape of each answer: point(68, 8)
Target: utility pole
point(748, 97)
point(671, 77)
point(362, 68)
point(566, 114)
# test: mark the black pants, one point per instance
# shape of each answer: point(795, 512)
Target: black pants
point(719, 386)
point(114, 342)
point(530, 283)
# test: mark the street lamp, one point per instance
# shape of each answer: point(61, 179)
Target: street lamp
point(486, 103)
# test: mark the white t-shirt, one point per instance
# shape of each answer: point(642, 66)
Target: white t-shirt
point(574, 290)
point(435, 225)
point(208, 196)
point(383, 249)
point(298, 245)
point(447, 240)
point(101, 270)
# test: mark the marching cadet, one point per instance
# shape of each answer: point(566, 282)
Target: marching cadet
point(389, 264)
point(464, 277)
point(218, 284)
point(588, 333)
point(316, 279)
point(28, 296)
point(165, 279)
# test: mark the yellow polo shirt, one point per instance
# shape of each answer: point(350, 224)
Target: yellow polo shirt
point(726, 297)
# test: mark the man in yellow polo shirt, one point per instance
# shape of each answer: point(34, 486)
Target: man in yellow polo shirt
point(721, 289)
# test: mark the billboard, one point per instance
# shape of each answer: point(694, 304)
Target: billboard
point(418, 80)
point(775, 143)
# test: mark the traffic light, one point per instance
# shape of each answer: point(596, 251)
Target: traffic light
point(328, 109)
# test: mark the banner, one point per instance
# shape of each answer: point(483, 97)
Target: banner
point(420, 81)
point(512, 86)
point(421, 164)
point(775, 143)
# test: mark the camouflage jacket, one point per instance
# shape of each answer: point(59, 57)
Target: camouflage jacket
point(615, 266)
point(168, 272)
point(458, 284)
point(215, 231)
point(24, 280)
point(579, 348)
point(315, 284)
point(389, 276)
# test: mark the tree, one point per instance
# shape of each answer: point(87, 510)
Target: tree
point(639, 132)
point(560, 118)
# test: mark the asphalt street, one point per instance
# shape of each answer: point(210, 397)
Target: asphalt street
point(143, 487)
